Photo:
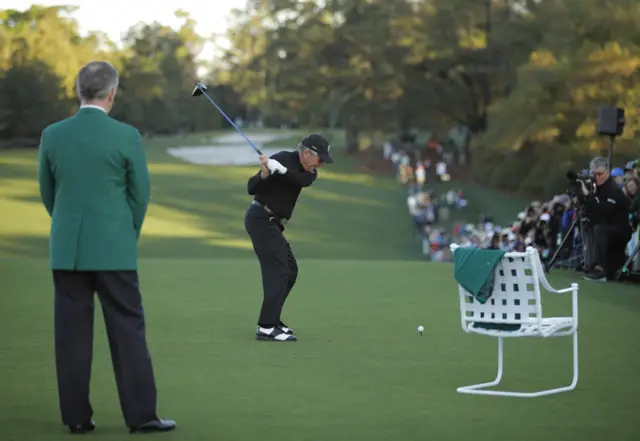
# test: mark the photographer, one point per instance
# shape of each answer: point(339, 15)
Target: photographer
point(608, 209)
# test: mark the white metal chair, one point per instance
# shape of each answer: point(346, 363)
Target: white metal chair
point(516, 301)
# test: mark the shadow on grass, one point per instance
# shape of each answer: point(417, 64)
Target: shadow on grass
point(24, 246)
point(333, 218)
point(198, 212)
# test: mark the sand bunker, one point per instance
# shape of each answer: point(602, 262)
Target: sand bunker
point(231, 149)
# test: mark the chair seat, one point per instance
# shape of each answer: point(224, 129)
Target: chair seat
point(550, 327)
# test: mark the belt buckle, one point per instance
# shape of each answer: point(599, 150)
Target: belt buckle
point(273, 215)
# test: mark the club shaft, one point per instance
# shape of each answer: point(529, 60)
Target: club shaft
point(231, 122)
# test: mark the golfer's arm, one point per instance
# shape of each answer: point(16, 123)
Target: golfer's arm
point(254, 182)
point(303, 179)
point(138, 182)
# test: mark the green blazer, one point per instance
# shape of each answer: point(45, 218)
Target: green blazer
point(94, 183)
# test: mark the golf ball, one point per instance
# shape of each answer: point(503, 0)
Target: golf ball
point(420, 328)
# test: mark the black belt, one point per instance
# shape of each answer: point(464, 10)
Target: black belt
point(281, 220)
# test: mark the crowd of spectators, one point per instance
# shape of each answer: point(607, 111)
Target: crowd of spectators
point(544, 225)
point(604, 217)
point(418, 169)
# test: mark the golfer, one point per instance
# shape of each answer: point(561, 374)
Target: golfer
point(276, 188)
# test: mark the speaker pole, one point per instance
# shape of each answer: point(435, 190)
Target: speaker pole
point(612, 140)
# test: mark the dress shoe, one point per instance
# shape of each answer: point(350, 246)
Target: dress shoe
point(275, 333)
point(154, 426)
point(82, 428)
point(286, 329)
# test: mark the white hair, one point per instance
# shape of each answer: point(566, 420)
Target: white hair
point(302, 148)
point(599, 162)
point(96, 80)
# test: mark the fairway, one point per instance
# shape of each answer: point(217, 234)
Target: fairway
point(360, 370)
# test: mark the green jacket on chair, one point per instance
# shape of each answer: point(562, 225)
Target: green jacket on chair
point(94, 183)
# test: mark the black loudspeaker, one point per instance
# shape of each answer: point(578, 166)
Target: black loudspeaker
point(610, 121)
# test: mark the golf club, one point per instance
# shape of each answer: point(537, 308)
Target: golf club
point(201, 89)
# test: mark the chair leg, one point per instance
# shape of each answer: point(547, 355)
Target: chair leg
point(480, 389)
point(574, 383)
point(473, 388)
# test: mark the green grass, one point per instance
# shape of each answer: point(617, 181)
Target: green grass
point(360, 370)
point(197, 211)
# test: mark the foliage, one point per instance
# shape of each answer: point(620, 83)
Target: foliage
point(589, 57)
point(526, 77)
point(41, 51)
point(523, 78)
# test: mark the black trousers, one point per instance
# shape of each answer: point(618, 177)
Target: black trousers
point(277, 263)
point(610, 242)
point(124, 319)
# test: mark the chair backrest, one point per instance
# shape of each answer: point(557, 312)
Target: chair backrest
point(516, 293)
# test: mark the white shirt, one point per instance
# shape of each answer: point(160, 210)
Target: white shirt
point(91, 106)
point(387, 149)
point(451, 197)
point(412, 204)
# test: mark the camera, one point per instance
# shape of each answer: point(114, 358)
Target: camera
point(575, 188)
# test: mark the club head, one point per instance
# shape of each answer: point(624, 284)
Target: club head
point(197, 91)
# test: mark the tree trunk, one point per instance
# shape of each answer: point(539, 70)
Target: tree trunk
point(351, 136)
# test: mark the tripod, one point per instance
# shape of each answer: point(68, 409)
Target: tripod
point(583, 223)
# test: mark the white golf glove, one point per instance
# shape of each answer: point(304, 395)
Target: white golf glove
point(275, 167)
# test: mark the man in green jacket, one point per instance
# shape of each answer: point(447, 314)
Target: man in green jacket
point(95, 186)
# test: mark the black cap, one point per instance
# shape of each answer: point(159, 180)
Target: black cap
point(320, 145)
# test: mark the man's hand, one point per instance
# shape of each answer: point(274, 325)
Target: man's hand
point(275, 167)
point(585, 191)
point(264, 170)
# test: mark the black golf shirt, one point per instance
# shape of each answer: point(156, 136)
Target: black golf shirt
point(280, 192)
